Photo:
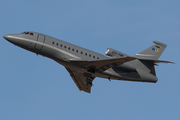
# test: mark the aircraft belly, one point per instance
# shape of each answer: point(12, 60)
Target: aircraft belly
point(109, 74)
point(119, 74)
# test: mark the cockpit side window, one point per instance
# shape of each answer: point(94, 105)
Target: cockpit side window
point(31, 34)
point(28, 33)
point(25, 33)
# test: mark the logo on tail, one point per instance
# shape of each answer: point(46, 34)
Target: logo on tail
point(156, 50)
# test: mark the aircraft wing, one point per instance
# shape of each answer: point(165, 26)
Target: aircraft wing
point(82, 80)
point(102, 64)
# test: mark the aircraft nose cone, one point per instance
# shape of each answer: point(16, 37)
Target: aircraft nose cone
point(6, 37)
point(11, 37)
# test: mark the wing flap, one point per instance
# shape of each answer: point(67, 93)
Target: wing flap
point(82, 81)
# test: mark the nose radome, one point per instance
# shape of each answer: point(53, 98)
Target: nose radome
point(6, 37)
point(11, 37)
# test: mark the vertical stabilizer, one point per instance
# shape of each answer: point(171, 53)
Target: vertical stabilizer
point(153, 52)
point(145, 63)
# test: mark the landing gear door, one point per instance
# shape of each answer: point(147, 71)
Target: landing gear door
point(40, 39)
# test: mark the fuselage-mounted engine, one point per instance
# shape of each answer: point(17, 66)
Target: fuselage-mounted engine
point(114, 53)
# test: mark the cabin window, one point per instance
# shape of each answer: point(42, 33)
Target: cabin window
point(52, 42)
point(73, 49)
point(61, 45)
point(89, 55)
point(97, 57)
point(69, 48)
point(57, 44)
point(81, 52)
point(86, 54)
point(77, 51)
point(64, 46)
point(93, 56)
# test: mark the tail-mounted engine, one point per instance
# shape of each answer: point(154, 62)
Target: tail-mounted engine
point(114, 53)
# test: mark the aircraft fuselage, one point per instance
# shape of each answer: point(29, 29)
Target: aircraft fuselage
point(62, 52)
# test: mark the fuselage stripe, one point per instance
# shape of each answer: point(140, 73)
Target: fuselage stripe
point(49, 46)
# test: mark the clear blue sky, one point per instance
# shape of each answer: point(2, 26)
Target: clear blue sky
point(37, 88)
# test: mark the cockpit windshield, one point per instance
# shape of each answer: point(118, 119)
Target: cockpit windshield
point(28, 33)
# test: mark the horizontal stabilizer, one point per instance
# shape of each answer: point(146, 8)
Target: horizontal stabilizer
point(162, 61)
point(156, 61)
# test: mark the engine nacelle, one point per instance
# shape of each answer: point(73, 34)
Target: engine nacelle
point(114, 53)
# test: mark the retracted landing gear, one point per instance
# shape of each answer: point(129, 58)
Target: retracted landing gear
point(91, 70)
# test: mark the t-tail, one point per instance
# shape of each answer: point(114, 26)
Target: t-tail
point(153, 52)
point(147, 59)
